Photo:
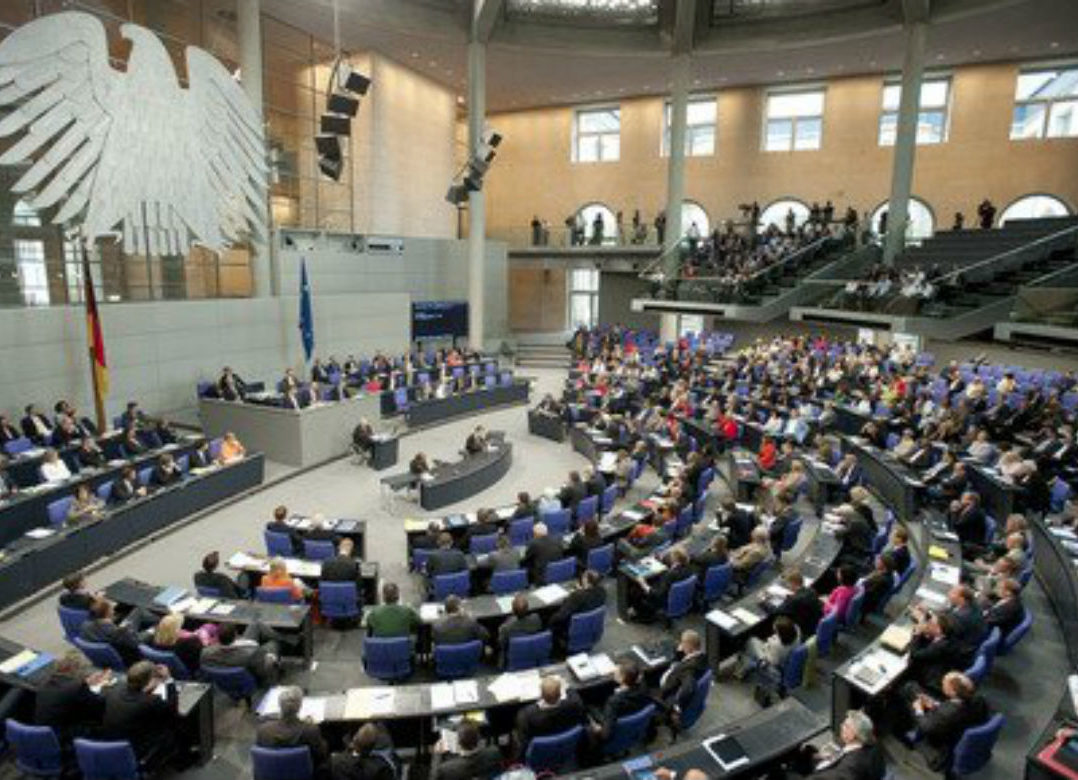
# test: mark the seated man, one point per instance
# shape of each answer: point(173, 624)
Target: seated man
point(525, 506)
point(629, 697)
point(678, 569)
point(446, 559)
point(476, 441)
point(589, 595)
point(968, 520)
point(471, 761)
point(363, 437)
point(933, 652)
point(166, 473)
point(53, 468)
point(369, 756)
point(256, 651)
point(523, 622)
point(802, 606)
point(858, 757)
point(342, 567)
point(65, 701)
point(541, 551)
point(278, 525)
point(552, 714)
point(210, 577)
point(737, 523)
point(35, 426)
point(200, 457)
point(75, 595)
point(678, 683)
point(942, 721)
point(505, 557)
point(89, 455)
point(391, 618)
point(1007, 611)
point(745, 559)
point(486, 523)
point(456, 627)
point(134, 712)
point(288, 731)
point(127, 487)
point(122, 637)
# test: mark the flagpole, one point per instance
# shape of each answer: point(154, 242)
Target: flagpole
point(90, 305)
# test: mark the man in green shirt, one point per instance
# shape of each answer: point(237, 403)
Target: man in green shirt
point(391, 618)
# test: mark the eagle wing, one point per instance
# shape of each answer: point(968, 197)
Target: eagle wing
point(229, 144)
point(56, 78)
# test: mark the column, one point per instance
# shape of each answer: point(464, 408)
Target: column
point(249, 32)
point(477, 215)
point(675, 182)
point(909, 108)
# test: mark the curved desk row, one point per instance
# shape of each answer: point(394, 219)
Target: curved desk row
point(549, 426)
point(439, 410)
point(40, 562)
point(308, 571)
point(28, 509)
point(453, 482)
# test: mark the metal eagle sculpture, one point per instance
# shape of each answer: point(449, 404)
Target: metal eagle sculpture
point(131, 152)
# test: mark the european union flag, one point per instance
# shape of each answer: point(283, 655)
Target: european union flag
point(306, 317)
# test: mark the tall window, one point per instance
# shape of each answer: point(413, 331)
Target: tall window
point(776, 214)
point(700, 117)
point(920, 224)
point(1046, 104)
point(794, 120)
point(583, 297)
point(1034, 207)
point(932, 119)
point(693, 213)
point(600, 224)
point(33, 276)
point(690, 323)
point(597, 135)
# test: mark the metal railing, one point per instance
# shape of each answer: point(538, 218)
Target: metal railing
point(1015, 258)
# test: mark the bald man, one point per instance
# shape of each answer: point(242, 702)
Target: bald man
point(554, 713)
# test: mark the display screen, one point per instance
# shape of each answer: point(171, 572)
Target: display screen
point(439, 319)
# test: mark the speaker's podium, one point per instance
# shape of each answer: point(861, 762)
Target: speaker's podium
point(384, 451)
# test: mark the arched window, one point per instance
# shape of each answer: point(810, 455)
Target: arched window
point(921, 224)
point(1034, 207)
point(693, 212)
point(775, 214)
point(589, 214)
point(24, 215)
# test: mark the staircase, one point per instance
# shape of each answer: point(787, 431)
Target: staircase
point(543, 350)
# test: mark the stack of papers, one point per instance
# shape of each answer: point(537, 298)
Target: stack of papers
point(466, 691)
point(505, 604)
point(948, 575)
point(242, 560)
point(551, 594)
point(40, 533)
point(222, 609)
point(313, 707)
point(931, 597)
point(723, 620)
point(441, 697)
point(746, 615)
point(16, 662)
point(428, 613)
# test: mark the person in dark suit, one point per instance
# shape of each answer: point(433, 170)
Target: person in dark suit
point(210, 577)
point(630, 696)
point(933, 652)
point(523, 622)
point(446, 559)
point(678, 683)
point(76, 595)
point(279, 525)
point(589, 595)
point(131, 444)
point(476, 441)
point(36, 427)
point(525, 506)
point(968, 619)
point(122, 637)
point(65, 703)
point(737, 523)
point(288, 731)
point(428, 540)
point(127, 487)
point(342, 567)
point(540, 552)
point(968, 520)
point(802, 606)
point(594, 481)
point(878, 584)
point(166, 473)
point(899, 549)
point(505, 557)
point(135, 713)
point(588, 539)
point(785, 515)
point(89, 455)
point(678, 569)
point(857, 538)
point(552, 714)
point(419, 465)
point(256, 651)
point(369, 757)
point(200, 457)
point(1007, 611)
point(8, 432)
point(471, 761)
point(573, 492)
point(486, 523)
point(942, 721)
point(456, 627)
point(230, 387)
point(132, 416)
point(363, 436)
point(859, 757)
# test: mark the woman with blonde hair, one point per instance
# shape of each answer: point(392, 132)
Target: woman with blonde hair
point(169, 637)
point(231, 450)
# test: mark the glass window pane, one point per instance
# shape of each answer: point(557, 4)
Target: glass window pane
point(1031, 84)
point(795, 104)
point(888, 129)
point(1028, 121)
point(892, 94)
point(1063, 121)
point(604, 121)
point(690, 323)
point(700, 141)
point(1034, 207)
point(776, 213)
point(611, 147)
point(808, 134)
point(779, 135)
point(701, 112)
point(930, 127)
point(934, 94)
point(580, 311)
point(587, 148)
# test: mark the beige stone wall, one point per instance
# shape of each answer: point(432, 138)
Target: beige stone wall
point(533, 173)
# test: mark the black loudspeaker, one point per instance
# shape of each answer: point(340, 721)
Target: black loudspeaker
point(473, 183)
point(338, 125)
point(328, 146)
point(357, 82)
point(330, 167)
point(457, 194)
point(339, 103)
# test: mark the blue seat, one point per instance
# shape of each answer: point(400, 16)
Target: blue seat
point(400, 399)
point(338, 600)
point(852, 618)
point(277, 543)
point(683, 524)
point(699, 506)
point(419, 559)
point(556, 522)
point(825, 634)
point(234, 681)
point(790, 534)
point(679, 598)
point(207, 592)
point(549, 754)
point(974, 749)
point(490, 382)
point(989, 647)
point(793, 671)
point(521, 531)
point(978, 670)
point(72, 619)
point(990, 526)
point(18, 446)
point(104, 491)
point(508, 581)
point(755, 574)
point(707, 476)
point(57, 510)
point(387, 659)
point(585, 630)
point(528, 652)
point(292, 763)
point(37, 750)
point(144, 476)
point(101, 655)
point(587, 509)
point(562, 570)
point(610, 495)
point(629, 731)
point(1012, 639)
point(1060, 492)
point(275, 596)
point(177, 668)
point(481, 545)
point(601, 559)
point(695, 708)
point(717, 580)
point(106, 760)
point(318, 549)
point(453, 662)
point(456, 584)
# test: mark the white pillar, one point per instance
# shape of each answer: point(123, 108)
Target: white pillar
point(909, 108)
point(675, 181)
point(249, 31)
point(477, 216)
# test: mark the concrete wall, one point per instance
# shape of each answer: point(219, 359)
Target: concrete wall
point(534, 173)
point(616, 292)
point(537, 298)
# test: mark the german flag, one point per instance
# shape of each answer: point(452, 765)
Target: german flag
point(93, 334)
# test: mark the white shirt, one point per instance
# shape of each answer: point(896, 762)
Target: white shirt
point(55, 472)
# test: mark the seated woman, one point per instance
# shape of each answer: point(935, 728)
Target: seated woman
point(587, 540)
point(170, 637)
point(773, 652)
point(53, 468)
point(623, 469)
point(85, 506)
point(278, 577)
point(839, 599)
point(231, 450)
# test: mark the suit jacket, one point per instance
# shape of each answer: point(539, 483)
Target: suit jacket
point(279, 733)
point(623, 702)
point(525, 626)
point(1005, 615)
point(159, 478)
point(446, 562)
point(970, 525)
point(457, 629)
point(91, 459)
point(778, 530)
point(970, 628)
point(123, 639)
point(901, 557)
point(580, 600)
point(200, 460)
point(484, 764)
point(539, 553)
point(349, 766)
point(222, 582)
point(340, 568)
point(30, 430)
point(67, 704)
point(865, 763)
point(572, 494)
point(504, 560)
point(123, 491)
point(596, 485)
point(76, 600)
point(738, 525)
point(140, 717)
point(930, 660)
point(540, 721)
point(803, 608)
point(525, 510)
point(679, 683)
point(943, 726)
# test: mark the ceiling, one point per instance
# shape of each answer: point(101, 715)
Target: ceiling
point(531, 64)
